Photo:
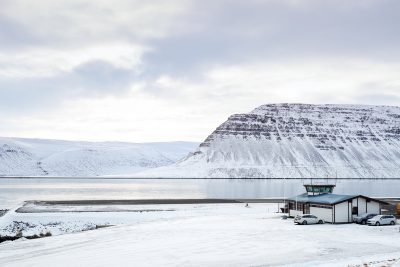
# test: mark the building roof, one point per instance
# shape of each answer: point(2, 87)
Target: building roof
point(322, 198)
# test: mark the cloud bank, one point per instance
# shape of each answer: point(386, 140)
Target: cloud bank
point(174, 70)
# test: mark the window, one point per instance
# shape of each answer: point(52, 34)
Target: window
point(354, 210)
point(321, 206)
point(319, 189)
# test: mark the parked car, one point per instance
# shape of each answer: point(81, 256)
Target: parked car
point(382, 220)
point(307, 219)
point(362, 219)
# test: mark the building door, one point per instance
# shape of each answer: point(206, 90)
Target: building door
point(306, 209)
point(350, 211)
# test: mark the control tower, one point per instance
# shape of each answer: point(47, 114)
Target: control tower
point(318, 189)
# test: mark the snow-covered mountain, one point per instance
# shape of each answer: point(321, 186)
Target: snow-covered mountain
point(298, 140)
point(40, 157)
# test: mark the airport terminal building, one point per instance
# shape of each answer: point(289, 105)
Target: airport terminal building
point(333, 208)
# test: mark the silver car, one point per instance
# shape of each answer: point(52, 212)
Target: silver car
point(382, 220)
point(307, 219)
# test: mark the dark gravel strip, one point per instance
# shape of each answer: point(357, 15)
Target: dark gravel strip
point(135, 202)
point(3, 212)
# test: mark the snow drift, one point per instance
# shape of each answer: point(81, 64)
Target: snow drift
point(298, 140)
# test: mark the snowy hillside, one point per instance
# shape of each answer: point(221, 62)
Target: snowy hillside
point(298, 140)
point(39, 157)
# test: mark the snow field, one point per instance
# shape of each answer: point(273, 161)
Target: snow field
point(205, 235)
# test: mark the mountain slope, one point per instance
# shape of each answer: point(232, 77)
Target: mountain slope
point(298, 140)
point(40, 157)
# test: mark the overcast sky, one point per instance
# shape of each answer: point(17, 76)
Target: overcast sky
point(174, 70)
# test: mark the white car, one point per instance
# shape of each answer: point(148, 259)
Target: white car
point(307, 219)
point(382, 220)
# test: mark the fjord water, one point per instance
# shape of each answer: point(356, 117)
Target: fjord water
point(13, 191)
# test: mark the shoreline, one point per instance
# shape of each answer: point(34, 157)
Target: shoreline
point(177, 178)
point(170, 201)
point(153, 201)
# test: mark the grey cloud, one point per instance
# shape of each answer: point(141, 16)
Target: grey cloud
point(222, 32)
point(100, 76)
point(237, 31)
point(96, 78)
point(75, 23)
point(210, 33)
point(14, 35)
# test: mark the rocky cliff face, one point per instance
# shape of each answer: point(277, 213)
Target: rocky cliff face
point(300, 140)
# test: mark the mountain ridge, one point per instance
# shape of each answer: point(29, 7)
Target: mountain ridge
point(298, 141)
point(46, 157)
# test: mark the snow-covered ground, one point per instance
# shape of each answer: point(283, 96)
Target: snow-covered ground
point(61, 219)
point(202, 235)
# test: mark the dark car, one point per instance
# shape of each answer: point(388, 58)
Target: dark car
point(362, 219)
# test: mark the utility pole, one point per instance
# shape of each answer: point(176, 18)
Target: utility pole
point(284, 199)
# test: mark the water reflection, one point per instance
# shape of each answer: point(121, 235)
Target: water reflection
point(14, 191)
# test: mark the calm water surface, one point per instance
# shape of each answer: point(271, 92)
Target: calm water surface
point(13, 191)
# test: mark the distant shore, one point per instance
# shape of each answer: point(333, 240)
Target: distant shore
point(171, 178)
point(155, 201)
point(168, 201)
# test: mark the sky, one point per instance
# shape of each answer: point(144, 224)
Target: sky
point(156, 70)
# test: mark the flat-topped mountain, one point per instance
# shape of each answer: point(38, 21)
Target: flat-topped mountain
point(298, 140)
